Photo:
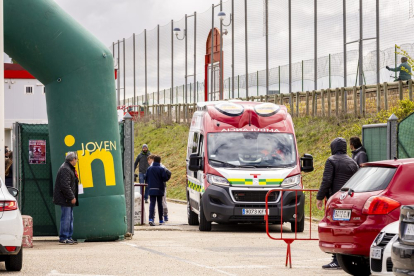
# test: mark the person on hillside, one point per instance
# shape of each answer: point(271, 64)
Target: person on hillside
point(142, 159)
point(359, 154)
point(6, 152)
point(404, 68)
point(65, 194)
point(156, 176)
point(164, 198)
point(339, 168)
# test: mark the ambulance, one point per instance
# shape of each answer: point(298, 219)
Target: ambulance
point(238, 151)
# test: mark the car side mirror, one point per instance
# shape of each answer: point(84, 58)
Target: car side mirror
point(306, 163)
point(195, 163)
point(13, 191)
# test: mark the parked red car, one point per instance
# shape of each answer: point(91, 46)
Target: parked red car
point(354, 216)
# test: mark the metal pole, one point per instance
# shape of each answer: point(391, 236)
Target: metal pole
point(186, 72)
point(221, 55)
point(329, 70)
point(302, 75)
point(257, 82)
point(158, 64)
point(2, 168)
point(395, 59)
point(123, 54)
point(172, 63)
point(238, 86)
point(345, 56)
point(195, 53)
point(133, 52)
point(290, 48)
point(146, 79)
point(267, 45)
point(361, 68)
point(246, 48)
point(378, 41)
point(119, 77)
point(212, 52)
point(315, 43)
point(232, 48)
point(279, 80)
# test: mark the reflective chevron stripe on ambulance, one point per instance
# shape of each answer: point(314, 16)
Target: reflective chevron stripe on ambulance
point(195, 187)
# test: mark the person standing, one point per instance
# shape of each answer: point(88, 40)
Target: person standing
point(339, 168)
point(164, 198)
point(156, 176)
point(359, 154)
point(9, 170)
point(65, 194)
point(142, 160)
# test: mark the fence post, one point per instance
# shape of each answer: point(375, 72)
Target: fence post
point(337, 102)
point(297, 104)
point(275, 98)
point(328, 95)
point(400, 90)
point(354, 91)
point(410, 89)
point(292, 106)
point(363, 100)
point(343, 105)
point(313, 103)
point(257, 82)
point(323, 102)
point(378, 97)
point(386, 95)
point(129, 170)
point(392, 140)
point(307, 103)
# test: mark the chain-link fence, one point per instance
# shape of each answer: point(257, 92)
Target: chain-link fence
point(268, 47)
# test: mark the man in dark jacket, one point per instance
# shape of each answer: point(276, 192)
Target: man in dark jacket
point(359, 154)
point(156, 176)
point(339, 168)
point(65, 194)
point(142, 159)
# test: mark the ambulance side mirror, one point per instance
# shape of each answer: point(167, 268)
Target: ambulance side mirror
point(306, 163)
point(195, 163)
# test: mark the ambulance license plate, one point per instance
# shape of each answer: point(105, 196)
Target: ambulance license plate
point(254, 212)
point(376, 253)
point(344, 215)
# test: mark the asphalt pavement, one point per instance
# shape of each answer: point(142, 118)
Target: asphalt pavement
point(179, 249)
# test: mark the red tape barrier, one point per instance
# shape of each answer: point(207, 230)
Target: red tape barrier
point(290, 240)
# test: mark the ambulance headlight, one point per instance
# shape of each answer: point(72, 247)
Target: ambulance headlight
point(266, 109)
point(217, 180)
point(292, 182)
point(230, 109)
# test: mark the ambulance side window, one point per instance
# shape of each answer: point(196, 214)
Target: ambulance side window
point(195, 143)
point(190, 144)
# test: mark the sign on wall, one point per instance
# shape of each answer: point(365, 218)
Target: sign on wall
point(37, 151)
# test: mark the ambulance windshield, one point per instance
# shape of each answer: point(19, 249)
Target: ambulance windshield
point(251, 149)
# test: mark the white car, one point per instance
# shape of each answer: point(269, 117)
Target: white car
point(11, 229)
point(380, 252)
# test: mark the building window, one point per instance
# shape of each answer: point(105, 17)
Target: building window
point(28, 89)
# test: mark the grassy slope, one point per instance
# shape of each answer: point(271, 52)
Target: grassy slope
point(313, 136)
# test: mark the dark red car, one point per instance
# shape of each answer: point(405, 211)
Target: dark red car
point(354, 216)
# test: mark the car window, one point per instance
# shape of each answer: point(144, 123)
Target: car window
point(369, 179)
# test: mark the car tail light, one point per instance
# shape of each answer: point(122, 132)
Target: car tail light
point(10, 248)
point(380, 205)
point(8, 206)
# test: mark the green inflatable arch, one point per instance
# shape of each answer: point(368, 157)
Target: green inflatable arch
point(78, 73)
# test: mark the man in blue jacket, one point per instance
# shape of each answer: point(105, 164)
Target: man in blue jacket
point(155, 177)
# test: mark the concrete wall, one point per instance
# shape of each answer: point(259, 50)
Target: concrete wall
point(23, 107)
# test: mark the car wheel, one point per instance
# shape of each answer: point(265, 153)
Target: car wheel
point(204, 224)
point(354, 265)
point(299, 227)
point(191, 216)
point(15, 262)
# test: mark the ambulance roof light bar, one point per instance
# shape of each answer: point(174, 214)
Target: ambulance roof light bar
point(230, 109)
point(267, 109)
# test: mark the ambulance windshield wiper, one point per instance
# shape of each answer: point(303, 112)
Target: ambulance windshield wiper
point(222, 162)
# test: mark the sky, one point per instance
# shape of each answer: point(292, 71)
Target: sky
point(111, 20)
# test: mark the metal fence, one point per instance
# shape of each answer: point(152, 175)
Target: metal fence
point(265, 47)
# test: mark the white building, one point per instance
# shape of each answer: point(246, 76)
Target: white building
point(24, 99)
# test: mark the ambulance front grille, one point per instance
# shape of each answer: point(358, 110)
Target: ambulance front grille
point(254, 196)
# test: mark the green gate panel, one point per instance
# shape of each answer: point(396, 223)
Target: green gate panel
point(78, 73)
point(36, 187)
point(375, 142)
point(406, 137)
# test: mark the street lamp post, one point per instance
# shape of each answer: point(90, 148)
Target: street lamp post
point(222, 16)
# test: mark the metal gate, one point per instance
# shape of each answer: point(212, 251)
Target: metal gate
point(406, 137)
